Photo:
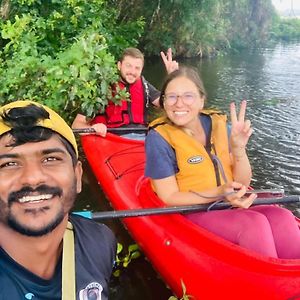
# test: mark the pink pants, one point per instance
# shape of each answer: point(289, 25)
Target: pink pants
point(267, 229)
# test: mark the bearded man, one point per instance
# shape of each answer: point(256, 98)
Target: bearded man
point(45, 252)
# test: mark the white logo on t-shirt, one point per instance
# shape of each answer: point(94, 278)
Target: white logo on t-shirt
point(91, 292)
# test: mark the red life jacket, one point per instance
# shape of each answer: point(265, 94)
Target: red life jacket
point(128, 112)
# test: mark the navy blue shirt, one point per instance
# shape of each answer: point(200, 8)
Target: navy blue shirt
point(95, 249)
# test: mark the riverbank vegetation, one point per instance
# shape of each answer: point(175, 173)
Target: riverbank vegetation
point(285, 29)
point(199, 28)
point(62, 52)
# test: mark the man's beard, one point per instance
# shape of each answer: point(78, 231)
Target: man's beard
point(12, 221)
point(123, 78)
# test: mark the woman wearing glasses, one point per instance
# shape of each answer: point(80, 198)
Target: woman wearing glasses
point(191, 159)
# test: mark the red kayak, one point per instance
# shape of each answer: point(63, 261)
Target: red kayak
point(209, 266)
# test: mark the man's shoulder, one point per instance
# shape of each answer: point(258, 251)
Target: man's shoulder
point(146, 83)
point(84, 227)
point(95, 248)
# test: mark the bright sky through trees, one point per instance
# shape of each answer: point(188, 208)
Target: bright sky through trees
point(283, 5)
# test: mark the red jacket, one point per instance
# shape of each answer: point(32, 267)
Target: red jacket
point(128, 112)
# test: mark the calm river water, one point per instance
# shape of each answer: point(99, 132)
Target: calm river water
point(269, 79)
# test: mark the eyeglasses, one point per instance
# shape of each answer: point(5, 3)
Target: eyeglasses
point(187, 98)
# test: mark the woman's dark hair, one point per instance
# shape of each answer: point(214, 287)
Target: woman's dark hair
point(25, 128)
point(187, 72)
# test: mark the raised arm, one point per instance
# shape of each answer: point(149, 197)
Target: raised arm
point(240, 133)
point(170, 64)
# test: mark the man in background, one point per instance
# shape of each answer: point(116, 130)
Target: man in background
point(142, 94)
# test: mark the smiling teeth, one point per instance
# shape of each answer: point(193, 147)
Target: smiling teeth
point(180, 112)
point(35, 198)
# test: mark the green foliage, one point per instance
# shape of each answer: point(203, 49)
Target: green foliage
point(60, 53)
point(285, 29)
point(198, 27)
point(194, 27)
point(184, 295)
point(123, 259)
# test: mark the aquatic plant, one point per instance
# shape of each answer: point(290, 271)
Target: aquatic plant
point(123, 259)
point(184, 295)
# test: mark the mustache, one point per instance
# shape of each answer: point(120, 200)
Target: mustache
point(27, 190)
point(130, 74)
point(123, 77)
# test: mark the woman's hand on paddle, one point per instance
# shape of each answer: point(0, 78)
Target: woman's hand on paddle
point(240, 130)
point(170, 64)
point(236, 195)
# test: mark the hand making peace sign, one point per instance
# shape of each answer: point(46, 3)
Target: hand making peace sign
point(240, 130)
point(170, 64)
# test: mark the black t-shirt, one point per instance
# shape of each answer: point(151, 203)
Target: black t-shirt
point(95, 250)
point(153, 92)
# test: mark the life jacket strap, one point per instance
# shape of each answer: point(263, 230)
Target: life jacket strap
point(68, 265)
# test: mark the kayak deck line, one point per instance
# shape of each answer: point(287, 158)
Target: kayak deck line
point(125, 152)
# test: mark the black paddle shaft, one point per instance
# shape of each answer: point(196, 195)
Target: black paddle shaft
point(99, 216)
point(115, 130)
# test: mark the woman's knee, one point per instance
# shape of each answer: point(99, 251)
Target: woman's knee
point(274, 212)
point(253, 220)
